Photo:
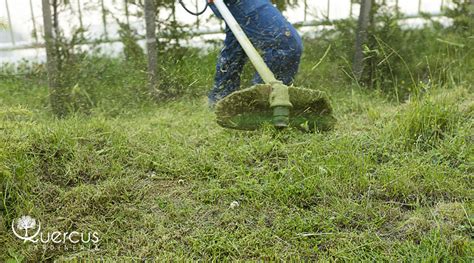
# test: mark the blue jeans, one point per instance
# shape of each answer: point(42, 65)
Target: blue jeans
point(270, 32)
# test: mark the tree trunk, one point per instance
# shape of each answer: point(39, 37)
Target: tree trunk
point(151, 48)
point(35, 32)
point(56, 98)
point(127, 15)
point(361, 37)
point(79, 12)
point(12, 35)
point(104, 19)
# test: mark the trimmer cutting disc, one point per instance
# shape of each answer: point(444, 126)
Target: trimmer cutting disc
point(273, 102)
point(249, 109)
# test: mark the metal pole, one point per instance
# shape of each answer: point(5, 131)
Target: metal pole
point(12, 36)
point(35, 32)
point(419, 6)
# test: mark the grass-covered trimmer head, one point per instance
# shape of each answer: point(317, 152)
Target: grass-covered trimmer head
point(250, 108)
point(272, 102)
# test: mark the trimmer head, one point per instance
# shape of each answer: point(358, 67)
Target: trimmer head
point(249, 109)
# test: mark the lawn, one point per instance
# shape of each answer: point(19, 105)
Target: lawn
point(162, 181)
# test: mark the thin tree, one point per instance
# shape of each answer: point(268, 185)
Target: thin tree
point(361, 37)
point(12, 34)
point(57, 102)
point(79, 11)
point(104, 18)
point(152, 54)
point(35, 32)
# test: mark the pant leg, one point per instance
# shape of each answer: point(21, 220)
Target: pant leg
point(229, 68)
point(279, 41)
point(284, 65)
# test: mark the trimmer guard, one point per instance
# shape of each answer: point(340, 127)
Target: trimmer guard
point(249, 109)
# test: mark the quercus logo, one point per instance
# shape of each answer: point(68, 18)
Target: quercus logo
point(27, 228)
point(24, 224)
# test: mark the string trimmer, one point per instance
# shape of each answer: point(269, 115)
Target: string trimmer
point(272, 102)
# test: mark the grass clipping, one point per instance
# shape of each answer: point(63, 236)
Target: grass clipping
point(249, 109)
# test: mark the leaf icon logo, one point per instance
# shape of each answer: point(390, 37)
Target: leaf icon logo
point(26, 223)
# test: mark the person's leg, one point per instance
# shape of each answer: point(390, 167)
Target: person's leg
point(280, 42)
point(228, 70)
point(284, 64)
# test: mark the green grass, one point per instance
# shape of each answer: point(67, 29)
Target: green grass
point(392, 182)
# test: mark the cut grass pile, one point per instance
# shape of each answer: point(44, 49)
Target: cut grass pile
point(391, 182)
